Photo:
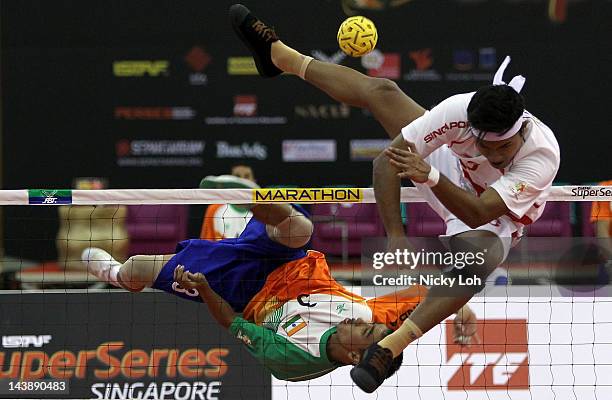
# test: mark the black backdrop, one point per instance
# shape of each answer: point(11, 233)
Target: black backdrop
point(60, 94)
point(67, 114)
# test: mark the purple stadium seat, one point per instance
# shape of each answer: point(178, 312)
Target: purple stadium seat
point(555, 221)
point(156, 229)
point(587, 226)
point(422, 221)
point(338, 225)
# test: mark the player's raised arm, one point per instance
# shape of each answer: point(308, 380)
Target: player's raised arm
point(387, 192)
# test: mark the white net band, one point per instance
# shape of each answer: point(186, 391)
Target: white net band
point(247, 196)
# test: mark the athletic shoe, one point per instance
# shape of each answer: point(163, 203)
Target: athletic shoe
point(257, 36)
point(373, 369)
point(227, 182)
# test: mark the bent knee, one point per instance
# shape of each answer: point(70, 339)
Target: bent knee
point(139, 271)
point(294, 231)
point(484, 245)
point(383, 86)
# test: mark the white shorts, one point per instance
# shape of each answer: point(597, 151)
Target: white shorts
point(448, 164)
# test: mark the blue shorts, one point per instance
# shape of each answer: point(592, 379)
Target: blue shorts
point(236, 269)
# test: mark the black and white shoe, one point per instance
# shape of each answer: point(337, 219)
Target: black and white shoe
point(373, 369)
point(257, 36)
point(227, 182)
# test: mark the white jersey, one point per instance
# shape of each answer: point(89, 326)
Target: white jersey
point(523, 185)
point(306, 320)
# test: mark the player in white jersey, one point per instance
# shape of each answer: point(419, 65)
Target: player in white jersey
point(490, 179)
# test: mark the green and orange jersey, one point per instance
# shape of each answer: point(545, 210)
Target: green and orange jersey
point(288, 323)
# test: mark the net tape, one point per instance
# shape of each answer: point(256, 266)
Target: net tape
point(249, 196)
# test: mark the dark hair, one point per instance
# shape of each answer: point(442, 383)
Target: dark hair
point(495, 108)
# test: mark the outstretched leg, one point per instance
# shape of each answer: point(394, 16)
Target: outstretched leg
point(134, 275)
point(284, 224)
point(382, 97)
point(391, 107)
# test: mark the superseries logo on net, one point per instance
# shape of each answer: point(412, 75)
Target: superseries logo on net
point(590, 191)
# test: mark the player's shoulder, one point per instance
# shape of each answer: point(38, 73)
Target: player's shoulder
point(462, 97)
point(540, 138)
point(459, 101)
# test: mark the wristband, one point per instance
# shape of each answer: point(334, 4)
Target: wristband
point(433, 177)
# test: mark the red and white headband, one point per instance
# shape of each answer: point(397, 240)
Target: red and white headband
point(517, 84)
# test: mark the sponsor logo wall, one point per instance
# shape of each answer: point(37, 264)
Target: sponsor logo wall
point(241, 66)
point(119, 345)
point(335, 57)
point(159, 153)
point(309, 150)
point(197, 60)
point(382, 65)
point(140, 68)
point(322, 111)
point(245, 110)
point(473, 64)
point(367, 149)
point(254, 150)
point(154, 113)
point(422, 66)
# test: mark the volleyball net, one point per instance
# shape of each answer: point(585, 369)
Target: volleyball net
point(544, 323)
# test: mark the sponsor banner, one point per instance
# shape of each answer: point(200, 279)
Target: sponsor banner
point(473, 65)
point(335, 58)
point(253, 150)
point(313, 195)
point(309, 150)
point(117, 345)
point(245, 113)
point(245, 105)
point(155, 113)
point(49, 196)
point(140, 68)
point(323, 111)
point(382, 65)
point(422, 61)
point(545, 348)
point(197, 60)
point(241, 66)
point(367, 149)
point(500, 362)
point(160, 153)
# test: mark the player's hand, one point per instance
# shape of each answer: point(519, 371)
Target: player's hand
point(409, 163)
point(466, 327)
point(189, 280)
